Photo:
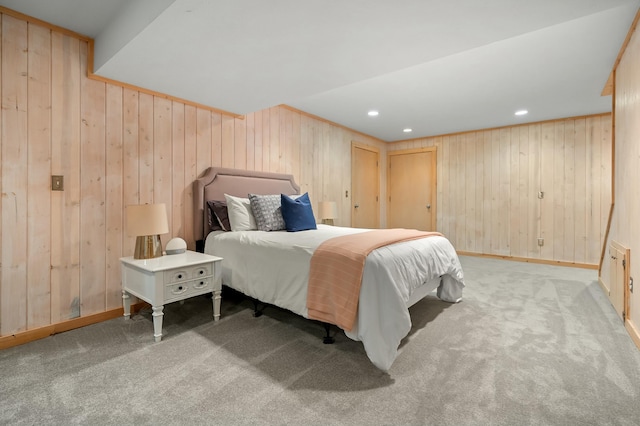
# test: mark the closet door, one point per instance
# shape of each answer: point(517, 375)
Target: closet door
point(412, 189)
point(365, 187)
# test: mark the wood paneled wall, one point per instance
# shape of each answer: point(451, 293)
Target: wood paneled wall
point(114, 145)
point(489, 180)
point(625, 225)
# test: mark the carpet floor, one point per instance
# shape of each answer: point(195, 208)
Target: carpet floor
point(528, 345)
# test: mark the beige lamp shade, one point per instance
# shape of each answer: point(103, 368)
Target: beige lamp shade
point(147, 222)
point(147, 219)
point(327, 211)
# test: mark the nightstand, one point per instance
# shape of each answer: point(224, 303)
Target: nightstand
point(168, 279)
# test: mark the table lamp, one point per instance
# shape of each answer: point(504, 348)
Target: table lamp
point(327, 211)
point(146, 222)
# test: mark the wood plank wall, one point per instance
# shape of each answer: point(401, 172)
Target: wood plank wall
point(625, 226)
point(488, 184)
point(115, 146)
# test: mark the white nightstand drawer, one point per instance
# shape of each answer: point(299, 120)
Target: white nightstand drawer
point(184, 289)
point(176, 276)
point(189, 273)
point(202, 271)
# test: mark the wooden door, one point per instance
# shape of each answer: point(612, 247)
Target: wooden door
point(365, 187)
point(412, 189)
point(619, 279)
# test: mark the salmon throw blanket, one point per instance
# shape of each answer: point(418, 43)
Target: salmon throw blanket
point(335, 275)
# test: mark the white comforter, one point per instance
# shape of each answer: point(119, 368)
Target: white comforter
point(274, 267)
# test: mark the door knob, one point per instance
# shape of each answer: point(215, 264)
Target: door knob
point(428, 206)
point(356, 206)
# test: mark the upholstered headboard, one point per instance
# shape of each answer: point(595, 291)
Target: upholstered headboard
point(217, 181)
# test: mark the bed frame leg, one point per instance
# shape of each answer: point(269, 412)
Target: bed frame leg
point(328, 338)
point(256, 312)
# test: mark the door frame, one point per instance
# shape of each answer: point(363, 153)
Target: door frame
point(434, 171)
point(375, 150)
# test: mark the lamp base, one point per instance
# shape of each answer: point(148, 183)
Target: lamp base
point(327, 222)
point(148, 247)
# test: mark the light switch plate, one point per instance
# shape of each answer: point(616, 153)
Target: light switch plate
point(57, 183)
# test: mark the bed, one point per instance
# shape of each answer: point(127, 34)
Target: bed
point(273, 266)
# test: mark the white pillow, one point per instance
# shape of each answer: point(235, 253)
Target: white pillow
point(240, 216)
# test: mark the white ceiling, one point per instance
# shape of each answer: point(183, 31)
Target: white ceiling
point(436, 66)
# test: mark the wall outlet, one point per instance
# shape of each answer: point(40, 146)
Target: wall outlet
point(540, 242)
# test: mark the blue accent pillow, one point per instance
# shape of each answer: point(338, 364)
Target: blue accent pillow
point(297, 213)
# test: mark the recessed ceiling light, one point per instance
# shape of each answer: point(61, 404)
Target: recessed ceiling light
point(522, 112)
point(373, 113)
point(407, 130)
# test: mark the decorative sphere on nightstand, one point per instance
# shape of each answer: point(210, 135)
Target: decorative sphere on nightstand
point(176, 246)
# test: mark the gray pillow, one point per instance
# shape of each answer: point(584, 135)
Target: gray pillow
point(267, 211)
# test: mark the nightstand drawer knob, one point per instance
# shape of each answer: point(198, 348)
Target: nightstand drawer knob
point(177, 276)
point(201, 272)
point(179, 290)
point(201, 284)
